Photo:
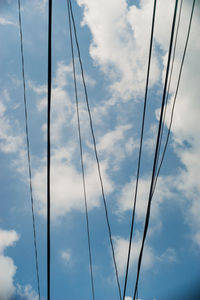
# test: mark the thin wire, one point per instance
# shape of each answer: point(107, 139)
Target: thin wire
point(175, 96)
point(156, 151)
point(28, 152)
point(140, 150)
point(170, 77)
point(81, 154)
point(95, 150)
point(49, 153)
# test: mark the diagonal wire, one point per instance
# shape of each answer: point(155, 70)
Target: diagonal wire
point(28, 151)
point(166, 101)
point(95, 150)
point(140, 150)
point(49, 151)
point(175, 96)
point(156, 152)
point(81, 153)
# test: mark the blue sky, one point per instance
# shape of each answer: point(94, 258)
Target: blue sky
point(114, 41)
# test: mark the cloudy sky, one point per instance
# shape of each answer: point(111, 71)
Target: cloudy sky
point(114, 41)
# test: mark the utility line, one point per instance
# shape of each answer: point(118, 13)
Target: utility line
point(95, 150)
point(156, 152)
point(168, 89)
point(28, 151)
point(175, 96)
point(49, 152)
point(140, 149)
point(81, 153)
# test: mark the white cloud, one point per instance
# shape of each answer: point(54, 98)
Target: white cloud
point(11, 137)
point(113, 145)
point(121, 252)
point(162, 192)
point(185, 127)
point(4, 21)
point(7, 266)
point(67, 189)
point(66, 256)
point(168, 256)
point(129, 298)
point(9, 141)
point(27, 292)
point(66, 186)
point(116, 34)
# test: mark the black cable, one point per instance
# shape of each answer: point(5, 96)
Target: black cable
point(28, 152)
point(168, 89)
point(81, 153)
point(156, 151)
point(140, 149)
point(95, 150)
point(175, 96)
point(49, 153)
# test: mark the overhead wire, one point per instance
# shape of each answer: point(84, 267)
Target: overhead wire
point(168, 89)
point(156, 151)
point(140, 149)
point(81, 153)
point(28, 151)
point(175, 97)
point(49, 79)
point(95, 150)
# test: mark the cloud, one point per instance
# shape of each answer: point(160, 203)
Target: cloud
point(4, 21)
point(168, 256)
point(121, 252)
point(9, 141)
point(7, 266)
point(26, 292)
point(114, 145)
point(66, 178)
point(66, 186)
point(66, 256)
point(185, 130)
point(116, 34)
point(12, 136)
point(163, 191)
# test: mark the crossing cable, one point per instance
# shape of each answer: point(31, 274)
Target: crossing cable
point(28, 151)
point(81, 154)
point(49, 152)
point(175, 96)
point(168, 89)
point(140, 149)
point(95, 150)
point(156, 152)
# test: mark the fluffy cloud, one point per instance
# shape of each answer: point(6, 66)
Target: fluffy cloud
point(115, 145)
point(9, 141)
point(116, 35)
point(162, 192)
point(121, 252)
point(4, 21)
point(7, 266)
point(26, 292)
point(185, 129)
point(66, 256)
point(67, 189)
point(168, 256)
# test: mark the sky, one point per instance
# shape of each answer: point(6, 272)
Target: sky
point(114, 42)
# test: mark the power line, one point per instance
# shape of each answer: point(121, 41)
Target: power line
point(140, 149)
point(95, 150)
point(166, 101)
point(49, 153)
point(28, 151)
point(81, 153)
point(175, 96)
point(156, 151)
